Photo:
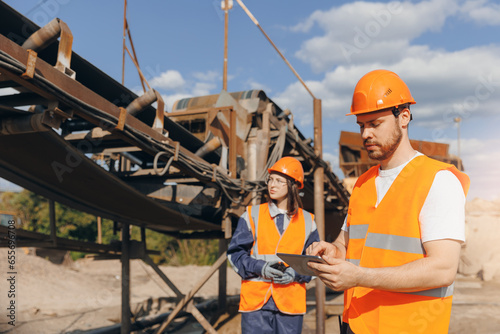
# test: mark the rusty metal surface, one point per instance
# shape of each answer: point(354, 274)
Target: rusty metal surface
point(45, 164)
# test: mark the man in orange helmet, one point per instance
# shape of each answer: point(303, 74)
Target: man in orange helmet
point(397, 254)
point(273, 300)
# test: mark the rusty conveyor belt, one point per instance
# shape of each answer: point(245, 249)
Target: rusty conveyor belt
point(28, 158)
point(17, 28)
point(39, 162)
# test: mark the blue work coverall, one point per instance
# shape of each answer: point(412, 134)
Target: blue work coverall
point(268, 319)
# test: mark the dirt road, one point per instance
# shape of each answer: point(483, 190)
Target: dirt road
point(74, 299)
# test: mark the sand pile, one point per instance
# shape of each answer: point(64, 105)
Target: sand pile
point(481, 253)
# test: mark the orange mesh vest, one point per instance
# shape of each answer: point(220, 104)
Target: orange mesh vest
point(289, 298)
point(389, 235)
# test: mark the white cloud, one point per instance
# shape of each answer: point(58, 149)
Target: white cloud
point(210, 76)
point(169, 80)
point(298, 100)
point(171, 99)
point(252, 84)
point(203, 88)
point(361, 31)
point(445, 85)
point(482, 12)
point(480, 157)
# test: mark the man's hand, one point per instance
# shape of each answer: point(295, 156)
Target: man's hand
point(338, 275)
point(269, 272)
point(325, 249)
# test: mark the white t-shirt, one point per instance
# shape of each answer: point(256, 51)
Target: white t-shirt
point(443, 213)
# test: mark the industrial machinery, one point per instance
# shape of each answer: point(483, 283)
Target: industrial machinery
point(74, 135)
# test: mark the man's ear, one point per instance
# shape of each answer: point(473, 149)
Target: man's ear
point(405, 117)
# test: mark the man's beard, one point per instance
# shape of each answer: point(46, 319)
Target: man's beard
point(387, 149)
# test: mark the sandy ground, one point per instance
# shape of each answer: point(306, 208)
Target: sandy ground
point(86, 294)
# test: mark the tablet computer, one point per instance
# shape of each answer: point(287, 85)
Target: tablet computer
point(299, 262)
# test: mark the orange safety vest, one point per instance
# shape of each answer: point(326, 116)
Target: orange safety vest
point(255, 292)
point(389, 235)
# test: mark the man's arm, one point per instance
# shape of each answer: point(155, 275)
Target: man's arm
point(437, 269)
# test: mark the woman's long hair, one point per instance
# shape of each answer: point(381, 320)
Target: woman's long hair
point(293, 199)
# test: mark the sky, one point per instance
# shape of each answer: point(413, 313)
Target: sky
point(447, 52)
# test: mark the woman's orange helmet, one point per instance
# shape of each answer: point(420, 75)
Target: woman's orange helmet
point(290, 167)
point(377, 90)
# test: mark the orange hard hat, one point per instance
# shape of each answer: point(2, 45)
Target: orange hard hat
point(290, 167)
point(377, 90)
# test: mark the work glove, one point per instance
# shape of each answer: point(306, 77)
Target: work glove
point(270, 273)
point(287, 278)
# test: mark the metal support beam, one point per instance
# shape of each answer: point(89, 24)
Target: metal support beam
point(200, 318)
point(319, 211)
point(222, 276)
point(232, 143)
point(53, 227)
point(225, 8)
point(164, 277)
point(125, 259)
point(190, 295)
point(99, 230)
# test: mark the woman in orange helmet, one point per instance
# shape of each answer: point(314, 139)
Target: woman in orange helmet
point(273, 299)
point(398, 252)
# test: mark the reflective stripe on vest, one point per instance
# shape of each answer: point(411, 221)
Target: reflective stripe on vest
point(256, 292)
point(395, 243)
point(387, 236)
point(358, 231)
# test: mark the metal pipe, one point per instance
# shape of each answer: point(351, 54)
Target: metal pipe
point(209, 146)
point(137, 105)
point(22, 124)
point(43, 37)
point(131, 158)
